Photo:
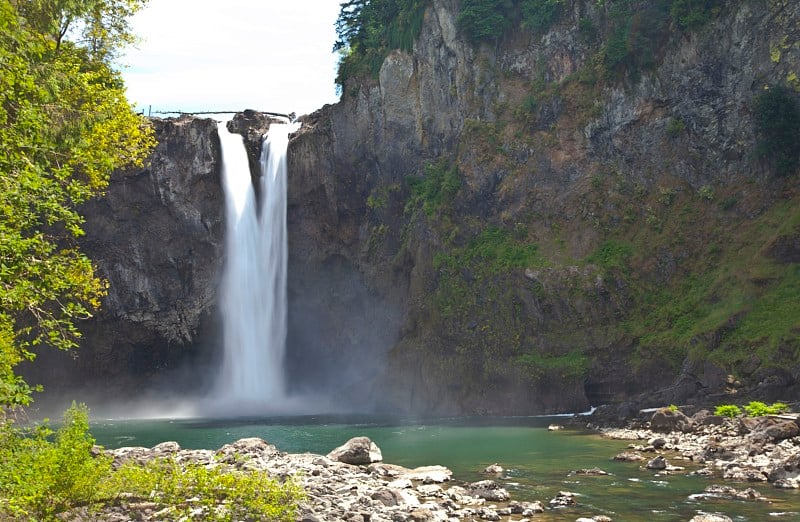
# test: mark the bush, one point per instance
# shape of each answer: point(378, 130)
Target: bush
point(727, 410)
point(539, 15)
point(675, 127)
point(484, 19)
point(437, 188)
point(612, 254)
point(760, 409)
point(777, 125)
point(213, 493)
point(43, 473)
point(692, 14)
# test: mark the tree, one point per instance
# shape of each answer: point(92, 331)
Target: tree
point(65, 125)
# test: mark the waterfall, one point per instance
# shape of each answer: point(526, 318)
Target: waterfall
point(253, 294)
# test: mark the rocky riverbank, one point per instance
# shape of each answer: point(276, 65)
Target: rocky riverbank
point(745, 449)
point(352, 483)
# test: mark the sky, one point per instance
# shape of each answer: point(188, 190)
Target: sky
point(231, 55)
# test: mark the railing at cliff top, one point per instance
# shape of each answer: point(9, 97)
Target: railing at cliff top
point(291, 116)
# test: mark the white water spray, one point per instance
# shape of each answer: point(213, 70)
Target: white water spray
point(253, 299)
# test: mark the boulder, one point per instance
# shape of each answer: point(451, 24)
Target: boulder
point(776, 430)
point(658, 463)
point(494, 469)
point(358, 450)
point(708, 517)
point(564, 498)
point(489, 490)
point(665, 420)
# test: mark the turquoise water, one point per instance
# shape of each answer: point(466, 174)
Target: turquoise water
point(537, 461)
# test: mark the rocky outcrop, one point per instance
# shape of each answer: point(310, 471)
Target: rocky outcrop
point(157, 237)
point(589, 158)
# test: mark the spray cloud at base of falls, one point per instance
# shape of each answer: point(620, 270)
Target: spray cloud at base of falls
point(253, 298)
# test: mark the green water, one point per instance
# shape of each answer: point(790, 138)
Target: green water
point(537, 461)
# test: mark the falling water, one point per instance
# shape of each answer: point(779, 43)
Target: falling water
point(253, 299)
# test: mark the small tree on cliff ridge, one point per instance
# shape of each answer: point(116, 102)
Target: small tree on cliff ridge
point(65, 125)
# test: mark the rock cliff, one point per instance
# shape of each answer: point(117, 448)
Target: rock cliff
point(528, 225)
point(157, 237)
point(549, 232)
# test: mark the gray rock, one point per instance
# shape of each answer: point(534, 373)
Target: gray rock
point(489, 490)
point(658, 463)
point(358, 450)
point(562, 499)
point(668, 420)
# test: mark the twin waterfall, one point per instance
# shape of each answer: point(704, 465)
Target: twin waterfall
point(253, 294)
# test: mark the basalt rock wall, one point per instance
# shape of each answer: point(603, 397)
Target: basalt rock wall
point(156, 236)
point(556, 157)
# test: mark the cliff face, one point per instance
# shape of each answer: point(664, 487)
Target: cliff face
point(515, 228)
point(157, 237)
point(546, 232)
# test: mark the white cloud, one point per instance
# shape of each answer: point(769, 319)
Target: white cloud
point(272, 55)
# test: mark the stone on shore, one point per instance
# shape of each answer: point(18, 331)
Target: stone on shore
point(666, 420)
point(357, 451)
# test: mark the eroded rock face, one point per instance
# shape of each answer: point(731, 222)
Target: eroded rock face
point(157, 237)
point(350, 215)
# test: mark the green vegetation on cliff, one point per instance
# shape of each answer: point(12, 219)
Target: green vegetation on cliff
point(369, 29)
point(65, 126)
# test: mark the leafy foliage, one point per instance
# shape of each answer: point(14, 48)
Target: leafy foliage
point(612, 254)
point(43, 473)
point(760, 409)
point(369, 29)
point(64, 126)
point(637, 35)
point(484, 19)
point(567, 366)
point(494, 250)
point(541, 14)
point(437, 188)
point(727, 410)
point(193, 490)
point(777, 122)
point(692, 14)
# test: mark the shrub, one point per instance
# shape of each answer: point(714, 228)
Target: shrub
point(760, 409)
point(672, 407)
point(777, 125)
point(612, 255)
point(484, 19)
point(675, 127)
point(571, 365)
point(539, 15)
point(727, 410)
point(213, 493)
point(43, 473)
point(437, 188)
point(706, 192)
point(692, 14)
